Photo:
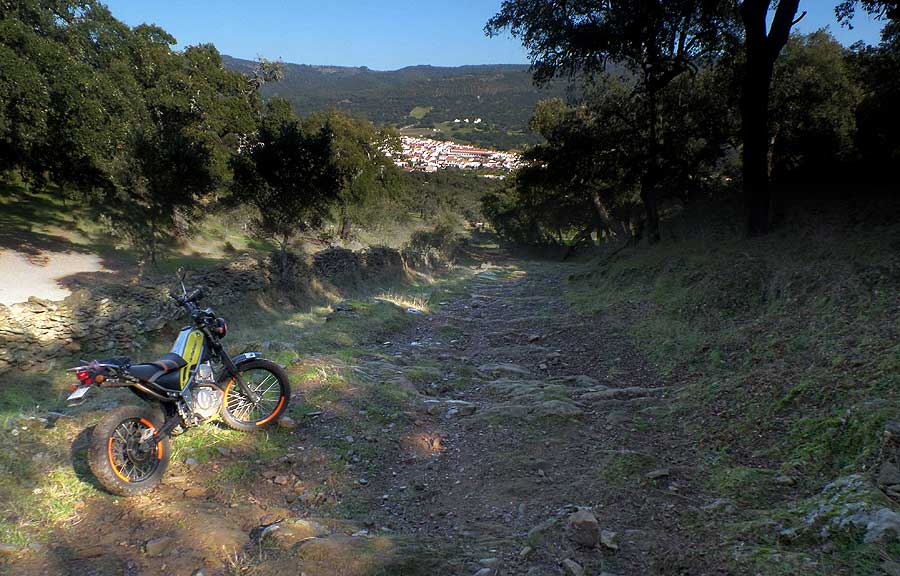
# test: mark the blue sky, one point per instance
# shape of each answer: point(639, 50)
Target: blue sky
point(380, 34)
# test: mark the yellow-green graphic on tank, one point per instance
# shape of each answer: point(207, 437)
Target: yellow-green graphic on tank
point(190, 347)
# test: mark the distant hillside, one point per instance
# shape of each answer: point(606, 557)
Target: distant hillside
point(422, 98)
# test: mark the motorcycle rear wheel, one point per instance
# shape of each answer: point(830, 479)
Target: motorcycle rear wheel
point(125, 454)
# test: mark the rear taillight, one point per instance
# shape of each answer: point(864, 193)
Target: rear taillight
point(84, 377)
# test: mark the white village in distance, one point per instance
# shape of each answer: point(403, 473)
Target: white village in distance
point(427, 155)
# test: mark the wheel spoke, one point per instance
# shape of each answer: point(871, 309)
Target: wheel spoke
point(260, 383)
point(129, 454)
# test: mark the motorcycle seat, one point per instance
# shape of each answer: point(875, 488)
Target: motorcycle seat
point(153, 371)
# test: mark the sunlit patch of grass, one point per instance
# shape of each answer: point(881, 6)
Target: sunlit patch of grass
point(203, 443)
point(624, 467)
point(61, 495)
point(749, 486)
point(234, 472)
point(406, 301)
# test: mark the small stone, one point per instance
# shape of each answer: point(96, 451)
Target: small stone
point(287, 422)
point(175, 479)
point(787, 535)
point(191, 462)
point(195, 492)
point(466, 408)
point(8, 549)
point(282, 480)
point(363, 481)
point(526, 552)
point(534, 338)
point(484, 572)
point(572, 568)
point(785, 480)
point(891, 568)
point(224, 451)
point(657, 474)
point(892, 432)
point(584, 528)
point(157, 546)
point(883, 528)
point(889, 475)
point(269, 474)
point(720, 505)
point(608, 539)
point(489, 562)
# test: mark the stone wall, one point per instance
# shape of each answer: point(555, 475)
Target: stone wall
point(336, 264)
point(109, 318)
point(118, 317)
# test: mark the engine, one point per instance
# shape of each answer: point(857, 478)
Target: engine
point(205, 401)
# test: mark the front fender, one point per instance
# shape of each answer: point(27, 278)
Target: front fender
point(245, 357)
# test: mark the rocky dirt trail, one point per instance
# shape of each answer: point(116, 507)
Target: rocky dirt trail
point(530, 442)
point(546, 456)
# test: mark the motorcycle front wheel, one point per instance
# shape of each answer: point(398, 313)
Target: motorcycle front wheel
point(269, 382)
point(126, 455)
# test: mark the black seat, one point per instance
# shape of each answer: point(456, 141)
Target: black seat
point(163, 372)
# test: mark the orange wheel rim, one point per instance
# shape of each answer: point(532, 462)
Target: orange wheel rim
point(272, 415)
point(112, 461)
point(260, 422)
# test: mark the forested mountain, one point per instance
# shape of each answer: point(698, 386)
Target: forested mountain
point(421, 98)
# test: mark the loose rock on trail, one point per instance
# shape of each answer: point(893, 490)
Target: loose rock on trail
point(560, 425)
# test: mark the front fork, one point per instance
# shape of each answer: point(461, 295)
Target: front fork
point(232, 371)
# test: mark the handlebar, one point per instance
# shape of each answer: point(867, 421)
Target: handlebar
point(190, 298)
point(200, 317)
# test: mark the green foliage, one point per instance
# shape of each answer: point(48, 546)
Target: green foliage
point(877, 71)
point(587, 176)
point(812, 105)
point(656, 42)
point(117, 113)
point(443, 242)
point(368, 179)
point(442, 197)
point(289, 174)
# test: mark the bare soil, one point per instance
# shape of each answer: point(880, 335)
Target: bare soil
point(23, 275)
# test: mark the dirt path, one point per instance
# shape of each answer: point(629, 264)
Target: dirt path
point(564, 419)
point(25, 275)
point(517, 413)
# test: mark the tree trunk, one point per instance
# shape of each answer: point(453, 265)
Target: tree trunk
point(151, 241)
point(345, 228)
point(755, 132)
point(651, 174)
point(344, 231)
point(762, 48)
point(604, 221)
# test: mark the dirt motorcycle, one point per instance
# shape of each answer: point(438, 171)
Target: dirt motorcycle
point(197, 380)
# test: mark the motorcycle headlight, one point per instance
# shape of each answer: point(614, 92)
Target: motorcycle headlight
point(220, 327)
